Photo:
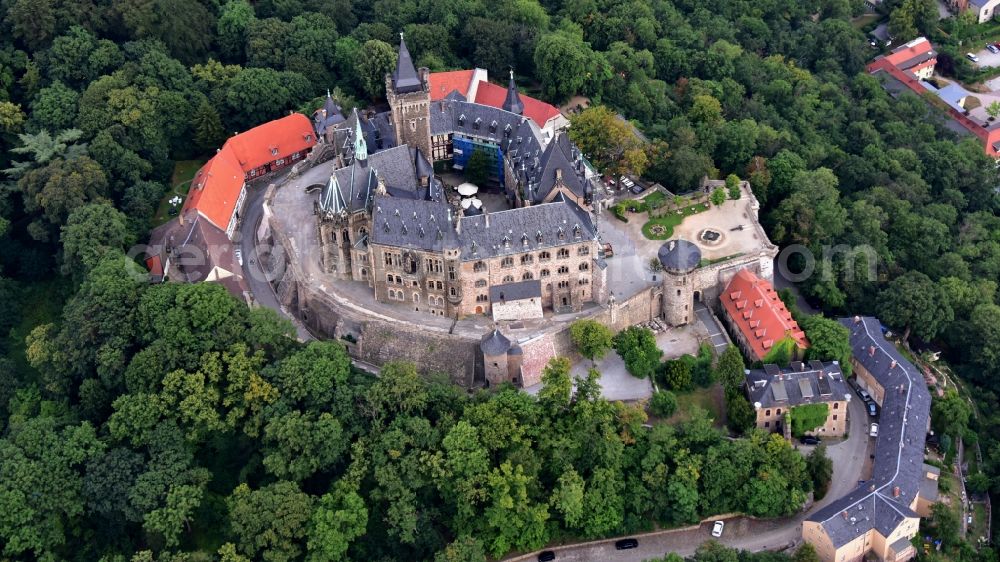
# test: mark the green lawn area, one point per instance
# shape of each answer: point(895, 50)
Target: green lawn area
point(710, 399)
point(42, 304)
point(655, 199)
point(669, 221)
point(180, 182)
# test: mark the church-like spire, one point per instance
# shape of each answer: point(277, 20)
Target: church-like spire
point(360, 146)
point(513, 101)
point(405, 79)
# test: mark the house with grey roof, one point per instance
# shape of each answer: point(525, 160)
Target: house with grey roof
point(776, 392)
point(881, 515)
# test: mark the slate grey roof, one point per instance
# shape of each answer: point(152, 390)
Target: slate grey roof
point(812, 384)
point(405, 79)
point(679, 255)
point(482, 122)
point(525, 229)
point(415, 224)
point(512, 102)
point(538, 171)
point(494, 343)
point(897, 474)
point(531, 289)
point(357, 182)
point(327, 116)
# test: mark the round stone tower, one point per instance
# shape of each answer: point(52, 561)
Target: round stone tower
point(680, 259)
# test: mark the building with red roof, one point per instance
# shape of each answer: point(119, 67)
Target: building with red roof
point(219, 187)
point(474, 86)
point(757, 318)
point(911, 65)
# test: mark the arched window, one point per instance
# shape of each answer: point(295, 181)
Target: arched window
point(544, 256)
point(544, 273)
point(562, 269)
point(416, 297)
point(507, 262)
point(527, 259)
point(388, 278)
point(508, 279)
point(563, 253)
point(584, 266)
point(583, 281)
point(583, 250)
point(482, 298)
point(452, 291)
point(479, 267)
point(527, 275)
point(481, 283)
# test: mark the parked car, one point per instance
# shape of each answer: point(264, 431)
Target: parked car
point(874, 430)
point(809, 440)
point(992, 48)
point(546, 556)
point(717, 528)
point(636, 188)
point(864, 395)
point(626, 544)
point(969, 520)
point(239, 256)
point(972, 57)
point(872, 409)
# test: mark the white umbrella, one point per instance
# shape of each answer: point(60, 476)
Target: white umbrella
point(467, 189)
point(466, 203)
point(477, 203)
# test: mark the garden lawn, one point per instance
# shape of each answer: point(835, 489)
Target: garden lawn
point(655, 199)
point(180, 182)
point(669, 221)
point(710, 399)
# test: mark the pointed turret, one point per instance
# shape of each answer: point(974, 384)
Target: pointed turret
point(513, 101)
point(405, 79)
point(360, 146)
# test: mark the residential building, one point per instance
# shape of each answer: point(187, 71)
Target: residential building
point(881, 516)
point(757, 318)
point(775, 392)
point(985, 10)
point(909, 67)
point(196, 245)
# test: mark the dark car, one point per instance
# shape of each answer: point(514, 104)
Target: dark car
point(872, 409)
point(546, 556)
point(809, 440)
point(626, 544)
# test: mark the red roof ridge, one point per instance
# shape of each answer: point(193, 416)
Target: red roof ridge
point(767, 317)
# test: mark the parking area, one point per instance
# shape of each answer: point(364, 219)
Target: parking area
point(986, 58)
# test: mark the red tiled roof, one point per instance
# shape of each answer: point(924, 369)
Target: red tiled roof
point(758, 313)
point(272, 140)
point(443, 83)
point(909, 50)
point(216, 188)
point(493, 95)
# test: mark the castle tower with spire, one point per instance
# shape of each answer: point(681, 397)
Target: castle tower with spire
point(512, 102)
point(409, 95)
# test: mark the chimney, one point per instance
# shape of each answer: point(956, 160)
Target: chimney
point(558, 174)
point(857, 319)
point(895, 492)
point(893, 364)
point(845, 515)
point(871, 351)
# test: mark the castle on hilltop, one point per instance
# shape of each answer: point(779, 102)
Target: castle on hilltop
point(385, 219)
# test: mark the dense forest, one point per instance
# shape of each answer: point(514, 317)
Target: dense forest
point(171, 423)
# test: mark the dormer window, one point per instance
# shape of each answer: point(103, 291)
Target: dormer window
point(506, 130)
point(506, 242)
point(524, 240)
point(576, 231)
point(309, 138)
point(274, 151)
point(476, 123)
point(562, 233)
point(461, 120)
point(493, 127)
point(538, 237)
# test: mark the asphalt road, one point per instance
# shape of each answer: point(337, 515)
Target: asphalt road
point(253, 273)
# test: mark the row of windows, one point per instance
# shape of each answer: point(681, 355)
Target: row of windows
point(526, 259)
point(777, 412)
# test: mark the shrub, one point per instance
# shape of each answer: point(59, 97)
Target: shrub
point(718, 196)
point(677, 374)
point(808, 417)
point(591, 338)
point(637, 347)
point(733, 186)
point(663, 404)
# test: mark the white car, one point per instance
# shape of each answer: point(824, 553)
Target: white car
point(238, 253)
point(874, 430)
point(717, 528)
point(972, 57)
